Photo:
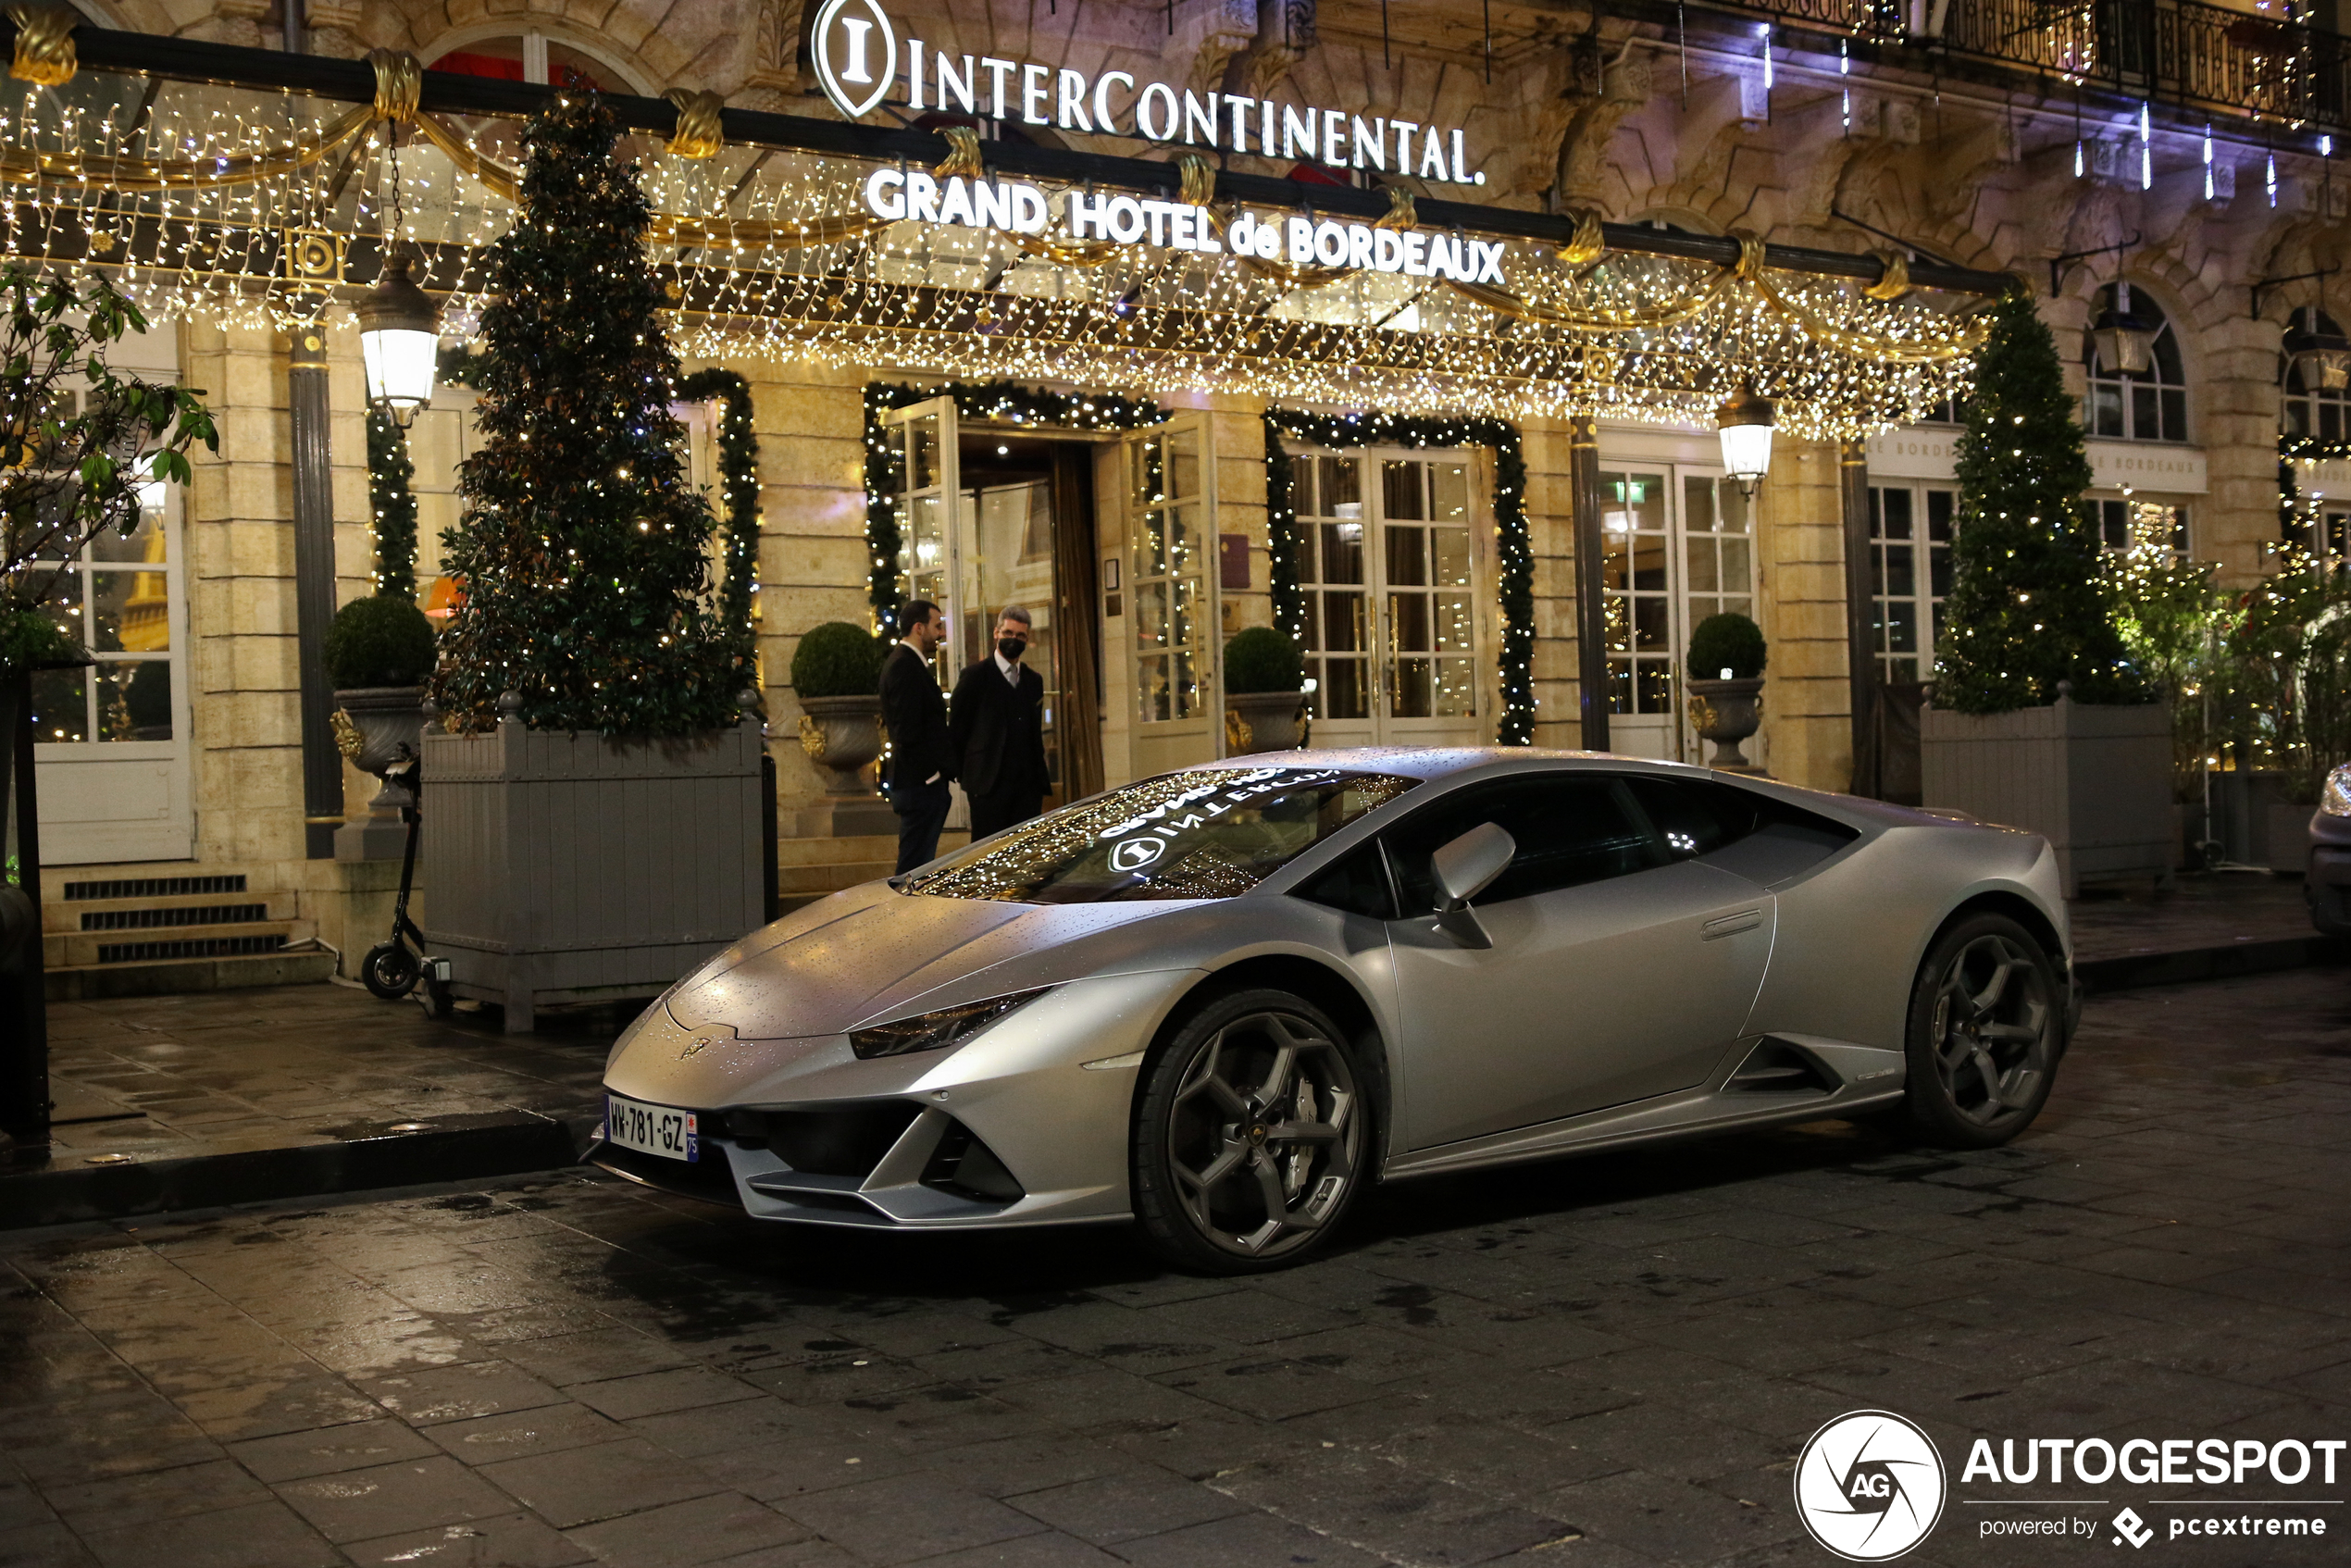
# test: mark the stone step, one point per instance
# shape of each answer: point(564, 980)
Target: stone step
point(172, 976)
point(168, 913)
point(868, 847)
point(795, 879)
point(73, 949)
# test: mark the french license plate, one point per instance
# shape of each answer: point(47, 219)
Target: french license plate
point(652, 1129)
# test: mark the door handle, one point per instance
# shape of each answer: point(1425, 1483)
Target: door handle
point(1730, 924)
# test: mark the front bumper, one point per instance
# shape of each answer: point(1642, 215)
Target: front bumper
point(1026, 1124)
point(2327, 882)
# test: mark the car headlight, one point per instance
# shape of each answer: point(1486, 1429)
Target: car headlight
point(936, 1031)
point(2336, 799)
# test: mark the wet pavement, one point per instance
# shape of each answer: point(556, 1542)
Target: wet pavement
point(1595, 1364)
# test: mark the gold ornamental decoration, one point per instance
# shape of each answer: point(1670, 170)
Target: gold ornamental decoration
point(45, 44)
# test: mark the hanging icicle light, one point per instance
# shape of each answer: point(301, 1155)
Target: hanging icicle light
point(1845, 71)
point(2269, 179)
point(2146, 149)
point(2207, 160)
point(1744, 423)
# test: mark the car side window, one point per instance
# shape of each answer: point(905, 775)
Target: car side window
point(1748, 835)
point(1570, 827)
point(1694, 817)
point(1357, 884)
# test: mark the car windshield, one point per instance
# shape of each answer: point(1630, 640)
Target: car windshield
point(1203, 834)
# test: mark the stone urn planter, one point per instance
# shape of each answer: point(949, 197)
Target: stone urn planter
point(581, 866)
point(2094, 779)
point(377, 727)
point(1726, 712)
point(1264, 721)
point(842, 736)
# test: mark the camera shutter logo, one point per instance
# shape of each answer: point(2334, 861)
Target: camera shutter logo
point(1870, 1486)
point(1133, 854)
point(856, 54)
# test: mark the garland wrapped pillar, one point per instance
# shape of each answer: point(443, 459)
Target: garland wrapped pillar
point(1861, 605)
point(1514, 556)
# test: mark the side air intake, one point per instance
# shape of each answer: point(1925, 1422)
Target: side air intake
point(1776, 1067)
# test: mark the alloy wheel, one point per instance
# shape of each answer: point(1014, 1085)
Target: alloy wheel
point(1992, 1029)
point(1264, 1133)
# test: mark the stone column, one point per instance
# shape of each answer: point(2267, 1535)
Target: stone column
point(1861, 603)
point(1591, 605)
point(313, 509)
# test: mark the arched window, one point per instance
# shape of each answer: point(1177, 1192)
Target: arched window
point(2312, 408)
point(2145, 406)
point(530, 56)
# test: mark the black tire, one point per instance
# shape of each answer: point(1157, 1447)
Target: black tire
point(1251, 1135)
point(1986, 1027)
point(390, 970)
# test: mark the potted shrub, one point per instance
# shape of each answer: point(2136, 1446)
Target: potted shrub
point(597, 803)
point(1724, 676)
point(835, 673)
point(378, 651)
point(1264, 705)
point(2040, 717)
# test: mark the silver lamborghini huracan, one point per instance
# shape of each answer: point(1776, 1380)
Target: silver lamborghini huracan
point(1222, 1000)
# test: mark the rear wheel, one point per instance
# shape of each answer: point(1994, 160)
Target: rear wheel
point(1987, 1025)
point(389, 970)
point(1249, 1135)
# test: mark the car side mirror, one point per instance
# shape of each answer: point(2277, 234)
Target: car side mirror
point(1467, 867)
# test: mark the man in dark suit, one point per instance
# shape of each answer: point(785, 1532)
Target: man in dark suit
point(922, 758)
point(999, 731)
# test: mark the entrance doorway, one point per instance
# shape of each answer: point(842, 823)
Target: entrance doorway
point(1678, 546)
point(992, 516)
point(1391, 570)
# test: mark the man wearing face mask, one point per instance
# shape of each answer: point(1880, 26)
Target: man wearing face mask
point(997, 731)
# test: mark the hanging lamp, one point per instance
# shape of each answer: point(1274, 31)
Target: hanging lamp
point(1744, 423)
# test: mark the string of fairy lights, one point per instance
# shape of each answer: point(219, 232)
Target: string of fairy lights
point(235, 207)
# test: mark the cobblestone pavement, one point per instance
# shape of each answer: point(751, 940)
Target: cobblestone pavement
point(1597, 1363)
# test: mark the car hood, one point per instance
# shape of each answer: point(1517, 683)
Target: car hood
point(873, 952)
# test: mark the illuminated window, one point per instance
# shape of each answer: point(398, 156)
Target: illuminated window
point(2148, 405)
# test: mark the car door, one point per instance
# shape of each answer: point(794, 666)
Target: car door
point(1619, 967)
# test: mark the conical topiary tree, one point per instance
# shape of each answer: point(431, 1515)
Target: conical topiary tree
point(582, 554)
point(2027, 606)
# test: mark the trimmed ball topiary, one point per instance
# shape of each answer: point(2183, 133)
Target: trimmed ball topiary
point(1261, 659)
point(381, 641)
point(838, 660)
point(1726, 643)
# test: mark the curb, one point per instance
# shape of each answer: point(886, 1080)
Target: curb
point(2180, 966)
point(363, 1156)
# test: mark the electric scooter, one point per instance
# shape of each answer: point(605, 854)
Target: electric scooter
point(391, 970)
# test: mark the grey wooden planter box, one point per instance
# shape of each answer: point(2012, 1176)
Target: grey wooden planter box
point(2094, 781)
point(567, 867)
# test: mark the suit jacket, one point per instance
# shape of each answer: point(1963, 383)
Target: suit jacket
point(915, 714)
point(998, 730)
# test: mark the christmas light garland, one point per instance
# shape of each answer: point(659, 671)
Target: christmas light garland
point(392, 506)
point(1347, 431)
point(738, 493)
point(1004, 401)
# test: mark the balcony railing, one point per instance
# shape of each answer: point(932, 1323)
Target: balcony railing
point(2201, 56)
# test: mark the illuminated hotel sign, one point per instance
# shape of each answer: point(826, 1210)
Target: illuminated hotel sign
point(1017, 208)
point(858, 57)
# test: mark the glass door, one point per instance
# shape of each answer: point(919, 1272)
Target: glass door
point(1004, 545)
point(1171, 491)
point(1678, 546)
point(1387, 568)
point(925, 435)
point(112, 738)
point(1910, 527)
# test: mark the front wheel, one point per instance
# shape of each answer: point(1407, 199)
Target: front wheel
point(390, 970)
point(1249, 1135)
point(1987, 1025)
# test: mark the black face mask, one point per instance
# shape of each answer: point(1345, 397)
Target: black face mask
point(1011, 647)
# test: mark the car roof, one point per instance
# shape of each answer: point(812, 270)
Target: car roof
point(1432, 763)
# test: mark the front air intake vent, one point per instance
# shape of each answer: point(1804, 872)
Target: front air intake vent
point(965, 1167)
point(1776, 1067)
